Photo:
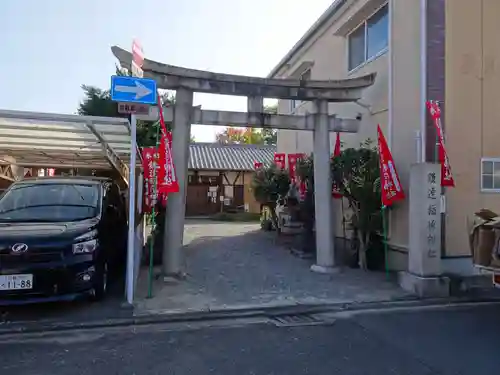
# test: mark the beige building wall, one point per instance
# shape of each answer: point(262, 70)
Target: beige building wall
point(472, 110)
point(327, 55)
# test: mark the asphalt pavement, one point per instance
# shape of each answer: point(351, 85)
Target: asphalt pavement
point(79, 311)
point(460, 340)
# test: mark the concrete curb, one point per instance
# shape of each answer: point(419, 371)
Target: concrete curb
point(250, 311)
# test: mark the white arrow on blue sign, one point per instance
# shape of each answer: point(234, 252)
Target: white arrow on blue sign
point(133, 90)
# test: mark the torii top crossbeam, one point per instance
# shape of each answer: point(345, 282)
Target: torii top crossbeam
point(173, 77)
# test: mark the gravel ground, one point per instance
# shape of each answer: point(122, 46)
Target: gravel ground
point(237, 264)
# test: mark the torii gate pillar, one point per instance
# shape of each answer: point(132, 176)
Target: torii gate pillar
point(176, 205)
point(325, 246)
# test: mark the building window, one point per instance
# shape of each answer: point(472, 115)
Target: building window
point(490, 174)
point(370, 39)
point(357, 50)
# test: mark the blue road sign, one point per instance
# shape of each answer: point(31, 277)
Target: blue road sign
point(133, 90)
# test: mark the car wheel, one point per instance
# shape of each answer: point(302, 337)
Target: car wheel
point(101, 285)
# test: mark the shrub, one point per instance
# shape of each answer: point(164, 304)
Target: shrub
point(357, 177)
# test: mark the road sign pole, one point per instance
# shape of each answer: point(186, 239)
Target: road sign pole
point(135, 91)
point(131, 212)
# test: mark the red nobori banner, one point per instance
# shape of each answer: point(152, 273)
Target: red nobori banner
point(167, 178)
point(301, 184)
point(149, 156)
point(336, 152)
point(392, 191)
point(280, 160)
point(302, 190)
point(292, 165)
point(446, 175)
point(257, 165)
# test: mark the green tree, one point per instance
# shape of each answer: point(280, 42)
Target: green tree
point(270, 136)
point(97, 102)
point(271, 109)
point(357, 176)
point(251, 136)
point(356, 173)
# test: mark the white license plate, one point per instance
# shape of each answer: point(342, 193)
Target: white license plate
point(16, 282)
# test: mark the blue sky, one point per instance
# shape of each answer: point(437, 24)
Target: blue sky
point(50, 47)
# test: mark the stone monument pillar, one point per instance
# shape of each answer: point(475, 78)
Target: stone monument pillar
point(176, 205)
point(424, 276)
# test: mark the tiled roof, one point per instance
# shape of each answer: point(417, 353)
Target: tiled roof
point(232, 157)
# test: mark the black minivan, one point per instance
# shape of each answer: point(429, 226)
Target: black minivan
point(60, 238)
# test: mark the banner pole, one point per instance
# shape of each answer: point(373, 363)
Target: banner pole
point(153, 219)
point(386, 247)
point(344, 230)
point(390, 189)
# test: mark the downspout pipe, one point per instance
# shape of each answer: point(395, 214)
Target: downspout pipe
point(390, 74)
point(423, 78)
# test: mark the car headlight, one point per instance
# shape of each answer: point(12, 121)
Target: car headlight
point(85, 247)
point(86, 243)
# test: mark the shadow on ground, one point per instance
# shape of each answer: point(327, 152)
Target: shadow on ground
point(229, 265)
point(82, 310)
point(237, 265)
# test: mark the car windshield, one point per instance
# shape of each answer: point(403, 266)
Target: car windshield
point(49, 202)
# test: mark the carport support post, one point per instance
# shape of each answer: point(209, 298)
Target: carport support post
point(176, 205)
point(325, 255)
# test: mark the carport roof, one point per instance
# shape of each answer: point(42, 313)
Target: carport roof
point(45, 140)
point(228, 157)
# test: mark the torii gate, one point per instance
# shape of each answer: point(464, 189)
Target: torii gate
point(183, 114)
